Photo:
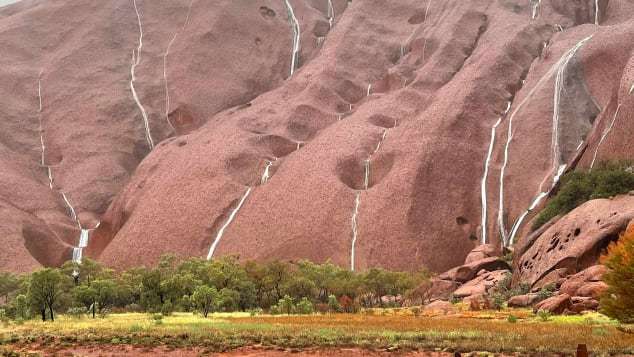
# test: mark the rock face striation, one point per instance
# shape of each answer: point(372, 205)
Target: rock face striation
point(396, 134)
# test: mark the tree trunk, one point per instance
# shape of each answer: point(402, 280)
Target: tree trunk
point(43, 314)
point(50, 308)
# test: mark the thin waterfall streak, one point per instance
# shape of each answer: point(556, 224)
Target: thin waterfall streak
point(605, 134)
point(596, 12)
point(331, 14)
point(483, 188)
point(296, 36)
point(50, 177)
point(518, 223)
point(77, 255)
point(509, 136)
point(165, 55)
point(366, 176)
point(267, 172)
point(369, 91)
point(355, 228)
point(232, 216)
point(136, 60)
point(71, 209)
point(535, 8)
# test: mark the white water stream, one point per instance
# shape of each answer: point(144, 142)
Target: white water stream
point(331, 14)
point(224, 227)
point(355, 228)
point(296, 36)
point(535, 5)
point(165, 55)
point(136, 60)
point(605, 134)
point(559, 68)
point(487, 164)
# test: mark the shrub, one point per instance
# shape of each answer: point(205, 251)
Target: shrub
point(286, 305)
point(158, 319)
point(167, 308)
point(607, 180)
point(546, 292)
point(512, 319)
point(305, 307)
point(544, 315)
point(618, 301)
point(274, 310)
point(333, 304)
point(76, 312)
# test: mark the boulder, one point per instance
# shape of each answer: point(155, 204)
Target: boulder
point(523, 300)
point(576, 281)
point(581, 304)
point(576, 241)
point(482, 252)
point(592, 289)
point(556, 304)
point(441, 289)
point(481, 284)
point(440, 306)
point(469, 271)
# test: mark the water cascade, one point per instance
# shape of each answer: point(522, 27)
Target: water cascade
point(296, 36)
point(232, 216)
point(165, 55)
point(331, 14)
point(369, 91)
point(596, 12)
point(604, 135)
point(487, 164)
point(558, 68)
point(357, 199)
point(71, 209)
point(355, 229)
point(535, 5)
point(136, 60)
point(267, 172)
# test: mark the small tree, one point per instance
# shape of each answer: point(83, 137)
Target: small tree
point(333, 304)
point(45, 289)
point(618, 300)
point(305, 307)
point(21, 307)
point(286, 305)
point(205, 298)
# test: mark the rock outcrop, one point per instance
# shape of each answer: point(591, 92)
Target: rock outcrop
point(575, 243)
point(409, 133)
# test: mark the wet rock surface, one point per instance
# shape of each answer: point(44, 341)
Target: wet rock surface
point(372, 154)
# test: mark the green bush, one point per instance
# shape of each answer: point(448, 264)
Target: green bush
point(544, 315)
point(305, 307)
point(512, 319)
point(76, 312)
point(607, 180)
point(546, 292)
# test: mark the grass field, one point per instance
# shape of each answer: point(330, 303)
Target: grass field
point(382, 330)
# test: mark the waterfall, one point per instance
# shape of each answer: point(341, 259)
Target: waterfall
point(487, 163)
point(77, 255)
point(83, 238)
point(331, 14)
point(366, 176)
point(596, 12)
point(535, 5)
point(604, 135)
point(136, 60)
point(70, 207)
point(355, 231)
point(369, 91)
point(296, 36)
point(232, 216)
point(558, 68)
point(267, 172)
point(320, 41)
point(165, 55)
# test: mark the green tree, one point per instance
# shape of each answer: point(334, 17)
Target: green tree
point(333, 304)
point(305, 307)
point(205, 298)
point(45, 289)
point(9, 283)
point(87, 297)
point(21, 307)
point(286, 305)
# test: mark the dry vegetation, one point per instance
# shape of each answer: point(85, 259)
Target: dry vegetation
point(379, 330)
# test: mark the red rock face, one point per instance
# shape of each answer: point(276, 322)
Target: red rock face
point(371, 154)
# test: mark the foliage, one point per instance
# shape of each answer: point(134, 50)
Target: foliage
point(544, 315)
point(546, 292)
point(45, 290)
point(206, 299)
point(607, 180)
point(305, 307)
point(618, 301)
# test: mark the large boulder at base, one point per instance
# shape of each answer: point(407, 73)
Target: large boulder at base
point(469, 271)
point(576, 281)
point(481, 284)
point(482, 252)
point(523, 300)
point(556, 304)
point(440, 306)
point(593, 289)
point(576, 241)
point(438, 289)
point(581, 304)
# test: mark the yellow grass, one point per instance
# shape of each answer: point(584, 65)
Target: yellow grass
point(383, 329)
